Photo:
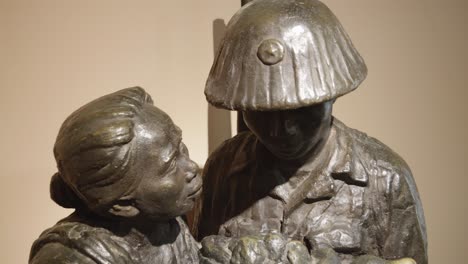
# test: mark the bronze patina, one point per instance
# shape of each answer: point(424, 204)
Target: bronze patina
point(124, 169)
point(299, 171)
point(298, 186)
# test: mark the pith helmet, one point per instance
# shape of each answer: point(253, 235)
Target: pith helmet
point(283, 54)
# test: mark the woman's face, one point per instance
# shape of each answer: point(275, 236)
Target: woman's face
point(291, 134)
point(170, 180)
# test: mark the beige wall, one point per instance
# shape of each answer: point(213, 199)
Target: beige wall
point(57, 55)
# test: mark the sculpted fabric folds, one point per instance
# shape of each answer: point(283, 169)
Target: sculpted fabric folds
point(319, 61)
point(359, 197)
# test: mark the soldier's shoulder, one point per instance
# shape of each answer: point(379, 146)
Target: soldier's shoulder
point(378, 158)
point(391, 179)
point(388, 174)
point(229, 149)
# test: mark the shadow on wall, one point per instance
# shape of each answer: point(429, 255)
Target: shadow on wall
point(219, 120)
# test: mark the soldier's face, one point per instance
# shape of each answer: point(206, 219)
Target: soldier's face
point(291, 134)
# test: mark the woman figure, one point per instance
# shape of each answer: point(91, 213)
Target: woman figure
point(124, 169)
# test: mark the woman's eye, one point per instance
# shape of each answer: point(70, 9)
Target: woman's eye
point(171, 166)
point(173, 163)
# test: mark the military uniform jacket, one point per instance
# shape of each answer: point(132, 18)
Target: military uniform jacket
point(356, 196)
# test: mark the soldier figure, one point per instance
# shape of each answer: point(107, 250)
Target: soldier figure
point(299, 171)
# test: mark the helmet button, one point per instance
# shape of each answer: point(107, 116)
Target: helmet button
point(270, 52)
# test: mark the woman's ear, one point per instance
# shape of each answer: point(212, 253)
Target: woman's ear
point(124, 208)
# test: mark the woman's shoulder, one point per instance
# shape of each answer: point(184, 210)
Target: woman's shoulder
point(72, 241)
point(58, 253)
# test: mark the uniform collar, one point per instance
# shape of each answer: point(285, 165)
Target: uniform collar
point(346, 164)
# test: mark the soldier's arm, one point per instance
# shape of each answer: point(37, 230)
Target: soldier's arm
point(205, 222)
point(210, 212)
point(404, 229)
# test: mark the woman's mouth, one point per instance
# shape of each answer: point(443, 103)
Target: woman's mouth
point(197, 191)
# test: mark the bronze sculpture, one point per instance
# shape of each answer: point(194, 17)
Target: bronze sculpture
point(124, 169)
point(298, 186)
point(299, 171)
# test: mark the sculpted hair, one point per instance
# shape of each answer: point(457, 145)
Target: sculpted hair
point(94, 151)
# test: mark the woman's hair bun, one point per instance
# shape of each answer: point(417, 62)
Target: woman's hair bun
point(62, 194)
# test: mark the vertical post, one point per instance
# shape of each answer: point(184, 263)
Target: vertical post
point(219, 120)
